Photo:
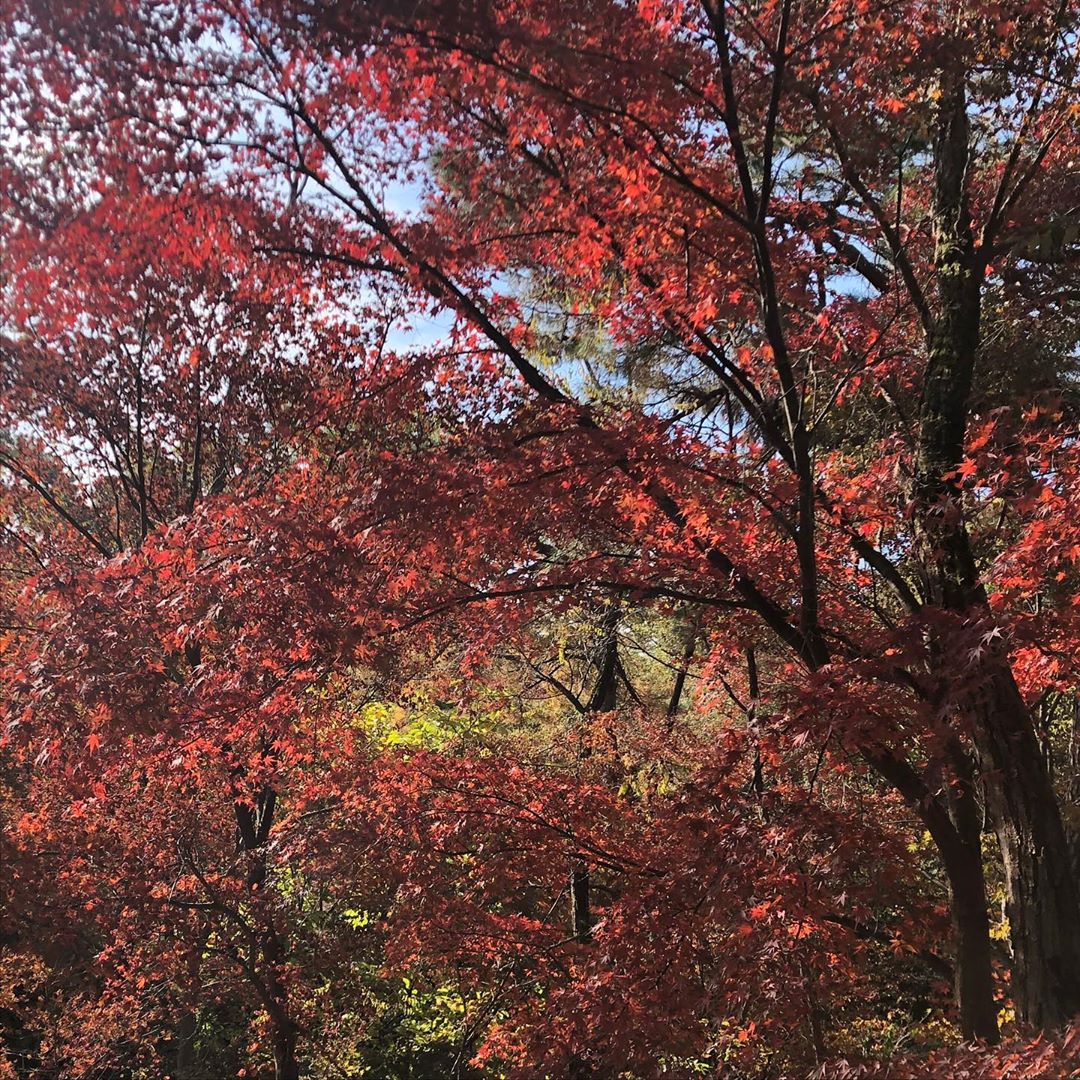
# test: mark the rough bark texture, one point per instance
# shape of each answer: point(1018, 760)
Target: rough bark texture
point(973, 977)
point(1042, 902)
point(1041, 892)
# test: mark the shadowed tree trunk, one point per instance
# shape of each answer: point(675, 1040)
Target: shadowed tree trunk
point(253, 825)
point(690, 640)
point(954, 828)
point(1042, 901)
point(1073, 806)
point(603, 699)
point(973, 977)
point(187, 1065)
point(947, 388)
point(1041, 891)
point(286, 1066)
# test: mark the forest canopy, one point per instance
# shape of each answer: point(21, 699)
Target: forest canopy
point(539, 539)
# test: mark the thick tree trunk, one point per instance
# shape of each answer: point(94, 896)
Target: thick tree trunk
point(286, 1066)
point(973, 978)
point(963, 859)
point(954, 825)
point(286, 1032)
point(1041, 892)
point(186, 1064)
point(1043, 906)
point(1072, 805)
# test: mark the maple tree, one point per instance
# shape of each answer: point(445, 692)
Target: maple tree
point(535, 360)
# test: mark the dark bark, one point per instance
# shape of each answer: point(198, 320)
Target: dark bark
point(949, 377)
point(814, 1017)
point(973, 977)
point(954, 826)
point(253, 825)
point(603, 699)
point(689, 646)
point(186, 1064)
point(973, 973)
point(757, 782)
point(286, 1032)
point(604, 695)
point(581, 919)
point(1041, 891)
point(187, 1026)
point(1042, 901)
point(286, 1066)
point(1073, 796)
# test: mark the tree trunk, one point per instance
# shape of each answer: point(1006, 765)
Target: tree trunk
point(253, 825)
point(955, 827)
point(186, 1027)
point(581, 919)
point(1044, 911)
point(286, 1032)
point(689, 646)
point(286, 1066)
point(1041, 893)
point(1072, 799)
point(604, 698)
point(973, 974)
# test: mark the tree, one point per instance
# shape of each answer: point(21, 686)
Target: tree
point(803, 242)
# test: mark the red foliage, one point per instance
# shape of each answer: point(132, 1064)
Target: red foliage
point(1038, 1059)
point(245, 493)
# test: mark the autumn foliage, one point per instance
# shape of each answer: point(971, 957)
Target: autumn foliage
point(540, 539)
